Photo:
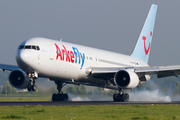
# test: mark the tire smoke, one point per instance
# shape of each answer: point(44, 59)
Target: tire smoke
point(154, 95)
point(77, 98)
point(90, 98)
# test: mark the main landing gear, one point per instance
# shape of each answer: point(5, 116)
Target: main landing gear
point(60, 96)
point(121, 96)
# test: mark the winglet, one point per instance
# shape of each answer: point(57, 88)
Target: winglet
point(143, 45)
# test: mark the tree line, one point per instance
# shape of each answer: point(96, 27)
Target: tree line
point(72, 89)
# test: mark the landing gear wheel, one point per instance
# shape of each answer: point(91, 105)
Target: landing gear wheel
point(33, 87)
point(121, 97)
point(126, 97)
point(65, 97)
point(114, 97)
point(54, 98)
point(117, 98)
point(59, 97)
point(29, 88)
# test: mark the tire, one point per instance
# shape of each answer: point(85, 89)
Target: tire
point(125, 97)
point(33, 87)
point(116, 97)
point(119, 98)
point(54, 98)
point(29, 88)
point(60, 97)
point(65, 97)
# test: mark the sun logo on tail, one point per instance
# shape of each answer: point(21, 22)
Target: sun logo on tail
point(144, 38)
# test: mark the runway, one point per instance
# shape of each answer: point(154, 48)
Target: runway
point(65, 103)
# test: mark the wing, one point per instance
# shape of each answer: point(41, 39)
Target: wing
point(161, 71)
point(9, 67)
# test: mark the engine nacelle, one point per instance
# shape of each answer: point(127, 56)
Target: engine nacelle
point(126, 79)
point(18, 79)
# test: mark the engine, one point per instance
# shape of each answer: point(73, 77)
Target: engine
point(126, 79)
point(18, 79)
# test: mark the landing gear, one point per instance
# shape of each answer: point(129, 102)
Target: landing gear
point(32, 86)
point(32, 76)
point(60, 96)
point(121, 96)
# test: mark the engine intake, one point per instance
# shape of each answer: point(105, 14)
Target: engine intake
point(126, 79)
point(18, 79)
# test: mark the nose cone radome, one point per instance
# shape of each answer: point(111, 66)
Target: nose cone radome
point(22, 58)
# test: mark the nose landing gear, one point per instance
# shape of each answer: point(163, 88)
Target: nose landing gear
point(32, 76)
point(32, 86)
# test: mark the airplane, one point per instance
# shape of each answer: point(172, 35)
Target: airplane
point(67, 63)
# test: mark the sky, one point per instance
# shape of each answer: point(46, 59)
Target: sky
point(112, 25)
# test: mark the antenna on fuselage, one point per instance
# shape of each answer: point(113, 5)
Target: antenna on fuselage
point(61, 40)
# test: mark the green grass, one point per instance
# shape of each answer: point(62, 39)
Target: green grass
point(8, 99)
point(25, 97)
point(28, 97)
point(101, 112)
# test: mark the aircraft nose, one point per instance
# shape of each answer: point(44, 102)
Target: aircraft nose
point(21, 55)
point(22, 58)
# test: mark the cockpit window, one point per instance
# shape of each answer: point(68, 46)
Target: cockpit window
point(29, 47)
point(37, 48)
point(21, 47)
point(34, 47)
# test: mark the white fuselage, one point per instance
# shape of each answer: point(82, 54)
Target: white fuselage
point(64, 61)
